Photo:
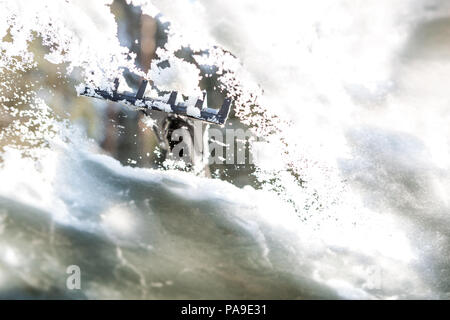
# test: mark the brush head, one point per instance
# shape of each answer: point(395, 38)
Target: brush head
point(197, 111)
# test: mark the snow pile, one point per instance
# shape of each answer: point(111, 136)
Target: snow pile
point(80, 33)
point(180, 76)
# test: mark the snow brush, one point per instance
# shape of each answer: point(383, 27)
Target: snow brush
point(159, 104)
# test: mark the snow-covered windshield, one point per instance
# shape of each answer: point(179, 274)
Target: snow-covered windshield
point(329, 178)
